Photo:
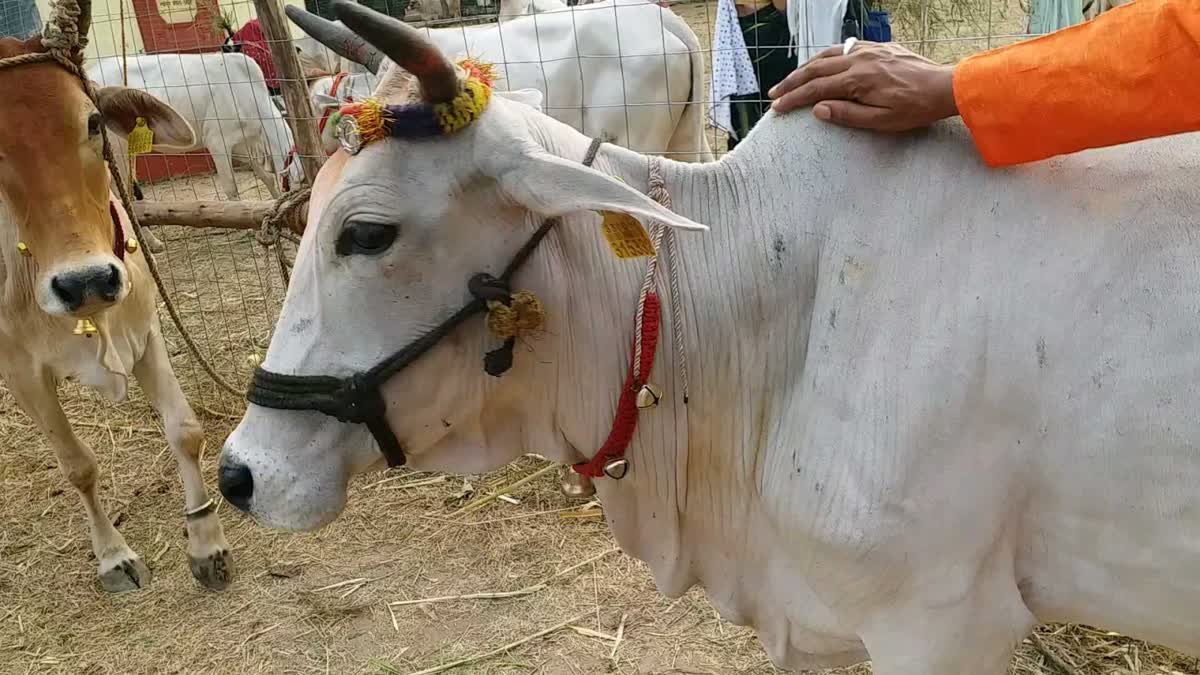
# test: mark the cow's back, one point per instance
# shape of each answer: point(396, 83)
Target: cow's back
point(1001, 353)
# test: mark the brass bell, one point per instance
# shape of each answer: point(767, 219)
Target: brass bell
point(648, 396)
point(23, 249)
point(576, 485)
point(86, 328)
point(131, 245)
point(616, 468)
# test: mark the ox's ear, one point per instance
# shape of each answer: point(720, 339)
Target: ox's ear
point(552, 186)
point(122, 106)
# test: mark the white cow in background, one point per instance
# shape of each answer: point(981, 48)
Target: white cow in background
point(225, 99)
point(605, 84)
point(511, 9)
point(912, 433)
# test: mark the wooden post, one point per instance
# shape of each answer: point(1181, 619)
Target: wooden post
point(236, 215)
point(300, 115)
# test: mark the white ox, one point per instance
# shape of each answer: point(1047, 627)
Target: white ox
point(606, 83)
point(224, 97)
point(73, 264)
point(918, 424)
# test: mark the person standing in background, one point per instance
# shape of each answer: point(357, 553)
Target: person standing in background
point(756, 43)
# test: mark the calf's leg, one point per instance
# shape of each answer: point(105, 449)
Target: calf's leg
point(120, 568)
point(208, 552)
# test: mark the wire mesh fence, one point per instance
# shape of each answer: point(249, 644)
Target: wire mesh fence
point(212, 62)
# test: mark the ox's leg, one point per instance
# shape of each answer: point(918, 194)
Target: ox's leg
point(226, 179)
point(208, 551)
point(152, 241)
point(264, 176)
point(120, 568)
point(956, 623)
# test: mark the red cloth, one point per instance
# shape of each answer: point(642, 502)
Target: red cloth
point(254, 44)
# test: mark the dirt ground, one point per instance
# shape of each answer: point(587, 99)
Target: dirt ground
point(563, 600)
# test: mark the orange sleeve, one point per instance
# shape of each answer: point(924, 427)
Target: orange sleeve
point(1130, 74)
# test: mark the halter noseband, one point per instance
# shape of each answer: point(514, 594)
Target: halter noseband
point(358, 399)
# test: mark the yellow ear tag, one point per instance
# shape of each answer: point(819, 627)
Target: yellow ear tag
point(141, 138)
point(626, 236)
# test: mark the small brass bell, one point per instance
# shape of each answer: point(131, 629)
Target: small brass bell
point(131, 245)
point(576, 485)
point(616, 468)
point(648, 396)
point(23, 249)
point(86, 328)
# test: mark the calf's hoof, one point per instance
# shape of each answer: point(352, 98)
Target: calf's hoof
point(213, 571)
point(153, 243)
point(127, 574)
point(576, 485)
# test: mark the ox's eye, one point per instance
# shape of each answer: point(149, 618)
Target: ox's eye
point(366, 238)
point(94, 123)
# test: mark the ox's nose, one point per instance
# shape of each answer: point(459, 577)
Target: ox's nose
point(236, 484)
point(76, 287)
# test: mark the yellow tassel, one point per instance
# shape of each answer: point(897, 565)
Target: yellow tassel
point(372, 125)
point(141, 139)
point(525, 314)
point(465, 108)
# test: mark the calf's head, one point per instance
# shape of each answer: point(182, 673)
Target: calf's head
point(394, 234)
point(54, 183)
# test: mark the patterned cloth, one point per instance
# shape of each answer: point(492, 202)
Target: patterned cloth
point(732, 70)
point(254, 44)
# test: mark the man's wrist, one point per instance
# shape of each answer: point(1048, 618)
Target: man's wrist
point(947, 105)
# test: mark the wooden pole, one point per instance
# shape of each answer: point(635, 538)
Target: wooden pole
point(236, 215)
point(300, 115)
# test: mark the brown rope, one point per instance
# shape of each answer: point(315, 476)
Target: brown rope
point(273, 228)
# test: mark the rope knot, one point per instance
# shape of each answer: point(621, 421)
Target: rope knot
point(522, 314)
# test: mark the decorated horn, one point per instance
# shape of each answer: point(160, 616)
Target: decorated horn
point(405, 46)
point(339, 39)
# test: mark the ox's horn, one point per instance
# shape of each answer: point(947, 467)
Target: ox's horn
point(341, 40)
point(405, 46)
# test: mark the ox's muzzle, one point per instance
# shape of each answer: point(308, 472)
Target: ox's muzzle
point(88, 288)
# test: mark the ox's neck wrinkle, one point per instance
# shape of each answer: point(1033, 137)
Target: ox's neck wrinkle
point(695, 468)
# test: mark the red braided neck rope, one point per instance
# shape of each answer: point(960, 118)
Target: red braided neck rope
point(625, 421)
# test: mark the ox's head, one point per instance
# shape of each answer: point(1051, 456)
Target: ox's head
point(54, 183)
point(394, 232)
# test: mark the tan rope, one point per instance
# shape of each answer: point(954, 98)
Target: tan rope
point(657, 190)
point(663, 238)
point(272, 229)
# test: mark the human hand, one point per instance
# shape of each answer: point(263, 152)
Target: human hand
point(880, 86)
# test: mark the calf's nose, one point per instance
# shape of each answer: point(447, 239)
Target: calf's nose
point(236, 484)
point(77, 286)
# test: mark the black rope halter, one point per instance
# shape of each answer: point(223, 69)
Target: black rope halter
point(358, 399)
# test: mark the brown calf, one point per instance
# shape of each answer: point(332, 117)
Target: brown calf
point(73, 263)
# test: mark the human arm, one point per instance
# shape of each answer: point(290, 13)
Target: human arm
point(1126, 76)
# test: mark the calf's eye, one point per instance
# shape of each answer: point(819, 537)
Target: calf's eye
point(365, 238)
point(94, 123)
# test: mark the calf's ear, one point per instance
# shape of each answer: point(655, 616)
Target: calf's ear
point(122, 106)
point(553, 186)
